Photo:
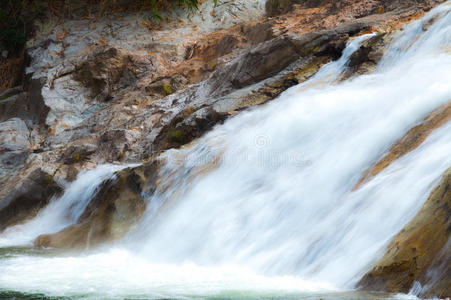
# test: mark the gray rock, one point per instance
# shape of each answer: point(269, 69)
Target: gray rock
point(14, 144)
point(24, 200)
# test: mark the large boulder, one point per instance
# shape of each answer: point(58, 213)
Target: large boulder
point(118, 205)
point(420, 252)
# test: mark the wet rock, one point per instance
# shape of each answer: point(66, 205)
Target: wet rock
point(437, 281)
point(187, 126)
point(366, 58)
point(226, 45)
point(269, 58)
point(321, 43)
point(118, 205)
point(327, 42)
point(27, 197)
point(36, 107)
point(420, 251)
point(267, 90)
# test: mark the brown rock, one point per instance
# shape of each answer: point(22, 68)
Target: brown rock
point(419, 252)
point(187, 126)
point(366, 58)
point(258, 33)
point(118, 205)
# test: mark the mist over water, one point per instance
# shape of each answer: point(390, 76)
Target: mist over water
point(263, 204)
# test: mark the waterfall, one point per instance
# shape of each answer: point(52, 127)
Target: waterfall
point(264, 203)
point(279, 197)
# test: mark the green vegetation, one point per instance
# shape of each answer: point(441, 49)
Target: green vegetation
point(167, 89)
point(176, 136)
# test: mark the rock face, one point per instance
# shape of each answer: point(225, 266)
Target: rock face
point(420, 252)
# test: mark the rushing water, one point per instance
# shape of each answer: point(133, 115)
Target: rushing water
point(263, 206)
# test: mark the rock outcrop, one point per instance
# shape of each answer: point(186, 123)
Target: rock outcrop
point(420, 252)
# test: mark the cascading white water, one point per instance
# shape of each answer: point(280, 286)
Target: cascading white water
point(264, 203)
